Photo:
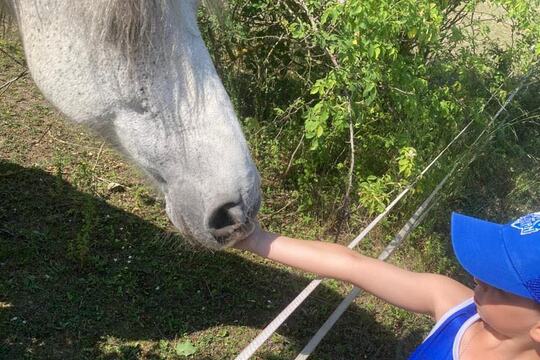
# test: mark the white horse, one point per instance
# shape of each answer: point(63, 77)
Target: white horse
point(138, 73)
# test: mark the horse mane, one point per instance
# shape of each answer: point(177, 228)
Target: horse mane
point(127, 24)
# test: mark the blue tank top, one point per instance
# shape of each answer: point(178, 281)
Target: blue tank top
point(442, 343)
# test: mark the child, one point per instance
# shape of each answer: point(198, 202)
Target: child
point(500, 319)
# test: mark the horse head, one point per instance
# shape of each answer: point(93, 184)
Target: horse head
point(138, 73)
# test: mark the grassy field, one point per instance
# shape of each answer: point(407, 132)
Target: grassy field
point(91, 269)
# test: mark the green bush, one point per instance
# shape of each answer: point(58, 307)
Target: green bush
point(403, 79)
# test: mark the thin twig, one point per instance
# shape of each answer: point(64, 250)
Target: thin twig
point(98, 155)
point(316, 28)
point(6, 86)
point(42, 135)
point(110, 181)
point(401, 91)
point(265, 61)
point(70, 143)
point(12, 57)
point(262, 218)
point(293, 154)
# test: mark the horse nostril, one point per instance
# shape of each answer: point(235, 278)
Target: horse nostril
point(226, 215)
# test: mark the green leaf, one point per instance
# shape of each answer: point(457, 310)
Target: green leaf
point(318, 87)
point(368, 89)
point(314, 145)
point(278, 111)
point(185, 348)
point(374, 51)
point(297, 30)
point(320, 131)
point(223, 333)
point(406, 160)
point(311, 125)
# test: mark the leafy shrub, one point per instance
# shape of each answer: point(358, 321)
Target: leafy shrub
point(402, 81)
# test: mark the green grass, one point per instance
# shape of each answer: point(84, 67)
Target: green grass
point(135, 295)
point(87, 272)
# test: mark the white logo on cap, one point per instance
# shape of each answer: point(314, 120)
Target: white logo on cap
point(528, 224)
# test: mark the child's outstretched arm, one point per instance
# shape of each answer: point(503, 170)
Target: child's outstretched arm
point(418, 292)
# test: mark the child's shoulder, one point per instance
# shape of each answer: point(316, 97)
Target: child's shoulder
point(449, 294)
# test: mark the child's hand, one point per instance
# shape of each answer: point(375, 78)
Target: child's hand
point(244, 244)
point(258, 241)
point(247, 243)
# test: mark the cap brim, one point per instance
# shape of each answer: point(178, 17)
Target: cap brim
point(480, 249)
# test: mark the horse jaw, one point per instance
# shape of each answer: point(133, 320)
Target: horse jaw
point(165, 109)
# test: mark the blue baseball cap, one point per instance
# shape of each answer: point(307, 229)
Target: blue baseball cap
point(505, 256)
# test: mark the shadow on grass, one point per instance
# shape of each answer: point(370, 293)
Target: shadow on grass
point(134, 287)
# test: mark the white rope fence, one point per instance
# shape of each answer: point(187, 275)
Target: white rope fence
point(285, 313)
